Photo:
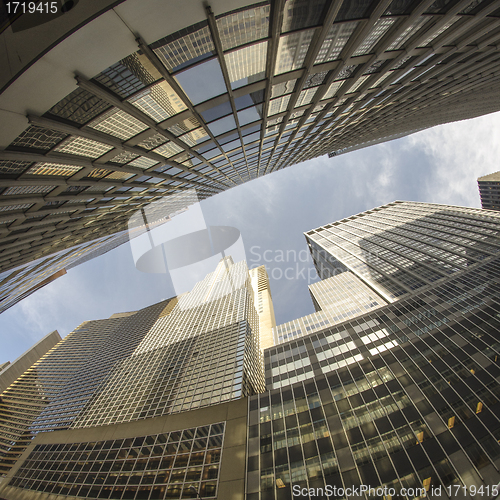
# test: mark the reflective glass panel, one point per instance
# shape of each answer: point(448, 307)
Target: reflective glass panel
point(159, 102)
point(247, 65)
point(292, 51)
point(223, 125)
point(186, 50)
point(202, 82)
point(217, 111)
point(335, 41)
point(243, 27)
point(301, 14)
point(250, 115)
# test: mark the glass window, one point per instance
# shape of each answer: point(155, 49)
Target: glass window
point(292, 51)
point(247, 65)
point(243, 27)
point(223, 125)
point(202, 82)
point(250, 115)
point(217, 111)
point(185, 50)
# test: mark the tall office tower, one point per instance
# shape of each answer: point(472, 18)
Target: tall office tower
point(20, 282)
point(264, 305)
point(17, 385)
point(192, 351)
point(399, 248)
point(489, 191)
point(406, 395)
point(335, 299)
point(282, 82)
point(23, 280)
point(402, 396)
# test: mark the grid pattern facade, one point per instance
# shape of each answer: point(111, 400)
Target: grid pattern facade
point(25, 399)
point(284, 82)
point(403, 246)
point(192, 351)
point(489, 191)
point(20, 282)
point(406, 396)
point(203, 349)
point(335, 299)
point(157, 466)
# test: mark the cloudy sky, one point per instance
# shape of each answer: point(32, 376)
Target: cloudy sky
point(439, 165)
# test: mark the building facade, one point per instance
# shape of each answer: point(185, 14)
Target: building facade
point(406, 396)
point(401, 397)
point(283, 82)
point(188, 352)
point(398, 399)
point(399, 248)
point(20, 282)
point(489, 191)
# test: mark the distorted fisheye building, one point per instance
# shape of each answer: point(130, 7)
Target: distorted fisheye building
point(107, 107)
point(169, 402)
point(192, 351)
point(398, 387)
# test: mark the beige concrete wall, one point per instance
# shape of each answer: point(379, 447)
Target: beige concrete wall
point(233, 457)
point(264, 305)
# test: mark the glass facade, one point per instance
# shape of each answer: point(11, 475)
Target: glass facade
point(399, 398)
point(489, 191)
point(188, 352)
point(403, 246)
point(167, 465)
point(404, 397)
point(281, 84)
point(20, 282)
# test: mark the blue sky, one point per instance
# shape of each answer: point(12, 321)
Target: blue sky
point(439, 165)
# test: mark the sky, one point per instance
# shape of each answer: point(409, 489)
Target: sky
point(438, 165)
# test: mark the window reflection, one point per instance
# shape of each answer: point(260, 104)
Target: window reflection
point(301, 14)
point(250, 115)
point(247, 65)
point(223, 125)
point(184, 51)
point(217, 111)
point(243, 27)
point(159, 102)
point(202, 82)
point(292, 51)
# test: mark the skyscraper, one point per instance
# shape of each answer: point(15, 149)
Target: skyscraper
point(403, 396)
point(17, 413)
point(401, 247)
point(195, 350)
point(282, 82)
point(21, 281)
point(489, 191)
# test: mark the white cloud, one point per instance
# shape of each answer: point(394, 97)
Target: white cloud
point(460, 153)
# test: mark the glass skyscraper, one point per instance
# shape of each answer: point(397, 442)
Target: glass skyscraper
point(403, 394)
point(211, 98)
point(188, 352)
